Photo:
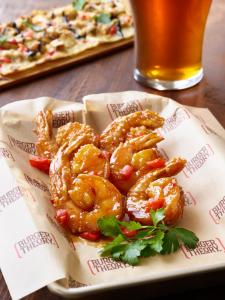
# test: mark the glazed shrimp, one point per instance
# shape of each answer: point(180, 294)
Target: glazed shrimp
point(136, 132)
point(71, 131)
point(157, 189)
point(129, 161)
point(90, 160)
point(117, 131)
point(46, 145)
point(91, 197)
point(61, 175)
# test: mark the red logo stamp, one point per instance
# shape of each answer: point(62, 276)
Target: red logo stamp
point(6, 153)
point(34, 182)
point(189, 200)
point(123, 109)
point(62, 118)
point(217, 212)
point(11, 196)
point(104, 264)
point(33, 241)
point(179, 116)
point(204, 247)
point(198, 160)
point(24, 146)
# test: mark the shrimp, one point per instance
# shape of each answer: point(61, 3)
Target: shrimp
point(129, 161)
point(91, 197)
point(61, 175)
point(157, 189)
point(117, 131)
point(46, 145)
point(71, 131)
point(89, 159)
point(136, 132)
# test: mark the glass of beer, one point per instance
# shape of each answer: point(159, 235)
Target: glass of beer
point(169, 38)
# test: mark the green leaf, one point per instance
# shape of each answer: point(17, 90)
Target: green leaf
point(132, 225)
point(170, 243)
point(103, 18)
point(148, 251)
point(3, 39)
point(156, 242)
point(157, 216)
point(133, 252)
point(109, 226)
point(118, 251)
point(78, 4)
point(108, 248)
point(35, 28)
point(144, 233)
point(188, 237)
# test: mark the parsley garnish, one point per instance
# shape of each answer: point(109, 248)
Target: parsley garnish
point(148, 240)
point(78, 4)
point(103, 18)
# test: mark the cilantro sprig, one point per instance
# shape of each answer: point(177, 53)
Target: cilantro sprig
point(146, 241)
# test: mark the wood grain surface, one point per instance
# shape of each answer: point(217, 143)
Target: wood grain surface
point(113, 73)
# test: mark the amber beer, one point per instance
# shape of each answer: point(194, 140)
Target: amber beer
point(169, 38)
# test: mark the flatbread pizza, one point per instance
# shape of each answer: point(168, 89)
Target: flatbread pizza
point(61, 32)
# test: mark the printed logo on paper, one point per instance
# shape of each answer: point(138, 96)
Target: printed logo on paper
point(196, 162)
point(24, 146)
point(38, 184)
point(62, 118)
point(218, 211)
point(11, 197)
point(189, 199)
point(178, 117)
point(6, 153)
point(104, 265)
point(204, 248)
point(32, 241)
point(123, 109)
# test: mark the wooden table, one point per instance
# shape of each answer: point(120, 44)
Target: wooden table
point(114, 73)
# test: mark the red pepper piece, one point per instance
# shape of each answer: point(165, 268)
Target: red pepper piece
point(40, 163)
point(13, 42)
point(5, 60)
point(62, 217)
point(112, 30)
point(91, 236)
point(128, 233)
point(156, 163)
point(127, 172)
point(154, 204)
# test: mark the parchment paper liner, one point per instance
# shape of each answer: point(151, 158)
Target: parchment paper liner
point(34, 250)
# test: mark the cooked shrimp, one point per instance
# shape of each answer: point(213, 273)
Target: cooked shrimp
point(46, 145)
point(136, 132)
point(117, 131)
point(71, 131)
point(90, 160)
point(129, 161)
point(61, 176)
point(91, 197)
point(154, 190)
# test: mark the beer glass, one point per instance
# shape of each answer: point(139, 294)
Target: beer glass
point(169, 38)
